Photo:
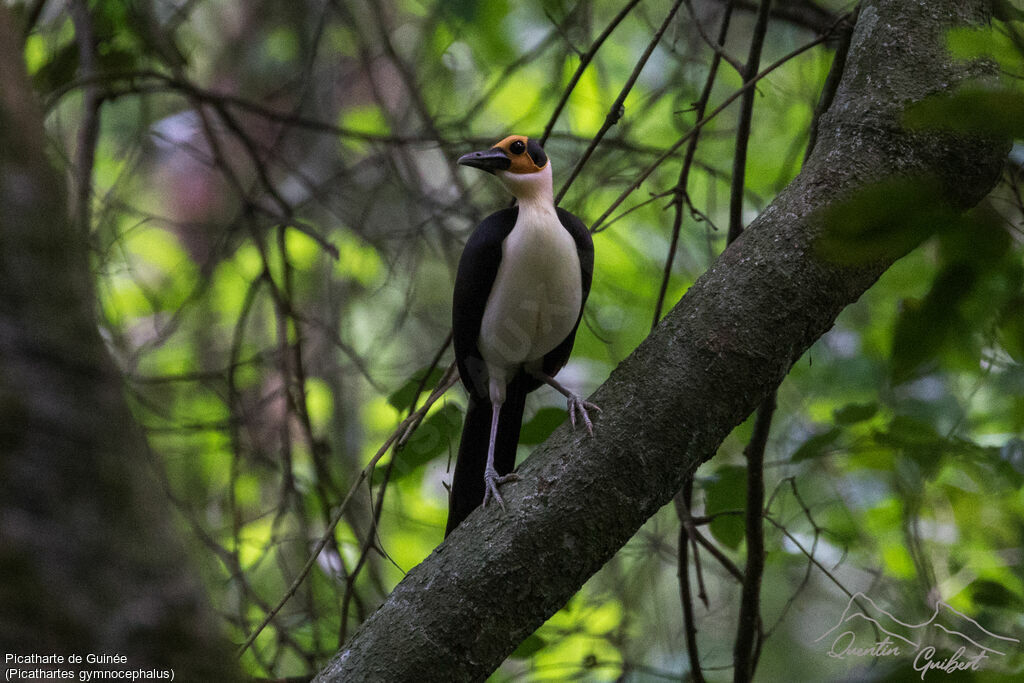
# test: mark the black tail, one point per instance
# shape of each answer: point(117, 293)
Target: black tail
point(468, 484)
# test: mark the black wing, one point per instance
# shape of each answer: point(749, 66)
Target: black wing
point(559, 356)
point(477, 269)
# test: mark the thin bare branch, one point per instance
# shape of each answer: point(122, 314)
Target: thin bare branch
point(451, 376)
point(617, 109)
point(599, 224)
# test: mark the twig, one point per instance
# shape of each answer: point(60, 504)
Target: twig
point(502, 79)
point(179, 83)
point(791, 600)
point(32, 16)
point(597, 225)
point(616, 111)
point(451, 376)
point(683, 501)
point(748, 630)
point(717, 46)
point(739, 159)
point(377, 507)
point(723, 560)
point(803, 13)
point(585, 60)
point(691, 150)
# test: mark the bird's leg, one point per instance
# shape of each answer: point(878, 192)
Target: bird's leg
point(574, 400)
point(492, 480)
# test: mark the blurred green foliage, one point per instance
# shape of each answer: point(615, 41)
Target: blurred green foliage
point(276, 221)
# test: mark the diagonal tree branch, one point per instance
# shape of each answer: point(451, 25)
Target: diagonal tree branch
point(727, 344)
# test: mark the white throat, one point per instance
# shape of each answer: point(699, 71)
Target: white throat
point(530, 188)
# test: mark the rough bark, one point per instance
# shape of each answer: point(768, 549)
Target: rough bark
point(89, 560)
point(724, 347)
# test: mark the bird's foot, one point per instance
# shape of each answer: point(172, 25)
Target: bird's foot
point(576, 402)
point(492, 480)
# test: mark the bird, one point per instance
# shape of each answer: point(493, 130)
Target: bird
point(520, 287)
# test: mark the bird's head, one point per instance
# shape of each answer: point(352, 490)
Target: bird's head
point(519, 163)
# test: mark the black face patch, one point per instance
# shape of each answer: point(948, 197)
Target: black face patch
point(536, 153)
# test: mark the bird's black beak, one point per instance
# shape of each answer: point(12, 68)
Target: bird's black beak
point(489, 160)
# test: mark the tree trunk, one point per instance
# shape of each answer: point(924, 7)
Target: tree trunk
point(727, 344)
point(89, 561)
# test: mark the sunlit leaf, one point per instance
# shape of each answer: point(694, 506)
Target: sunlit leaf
point(302, 249)
point(605, 618)
point(319, 402)
point(991, 41)
point(364, 119)
point(255, 538)
point(898, 562)
point(357, 261)
point(35, 53)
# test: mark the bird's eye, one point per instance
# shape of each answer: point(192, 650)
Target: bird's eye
point(517, 147)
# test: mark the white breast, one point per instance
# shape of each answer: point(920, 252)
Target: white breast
point(537, 293)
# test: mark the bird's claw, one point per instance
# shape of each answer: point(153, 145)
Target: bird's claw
point(492, 480)
point(577, 403)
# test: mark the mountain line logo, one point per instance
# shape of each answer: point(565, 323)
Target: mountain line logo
point(948, 642)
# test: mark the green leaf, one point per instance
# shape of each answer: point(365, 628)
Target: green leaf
point(282, 44)
point(1007, 465)
point(983, 243)
point(885, 221)
point(996, 113)
point(911, 476)
point(1004, 10)
point(59, 70)
point(1011, 328)
point(539, 428)
point(920, 450)
point(924, 325)
point(993, 594)
point(906, 431)
point(817, 446)
point(853, 413)
point(435, 435)
point(727, 490)
point(529, 647)
point(402, 398)
point(992, 41)
point(1012, 453)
